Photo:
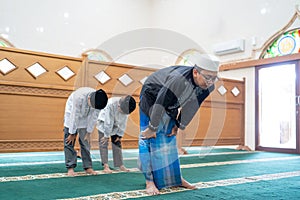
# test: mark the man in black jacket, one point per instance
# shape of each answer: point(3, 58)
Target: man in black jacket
point(163, 94)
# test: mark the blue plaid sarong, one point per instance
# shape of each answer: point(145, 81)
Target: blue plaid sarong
point(158, 157)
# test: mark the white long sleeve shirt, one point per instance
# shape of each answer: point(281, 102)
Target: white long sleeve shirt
point(110, 120)
point(78, 114)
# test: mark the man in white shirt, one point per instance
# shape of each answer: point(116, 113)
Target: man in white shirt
point(111, 123)
point(81, 112)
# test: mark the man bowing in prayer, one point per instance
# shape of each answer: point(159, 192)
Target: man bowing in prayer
point(165, 92)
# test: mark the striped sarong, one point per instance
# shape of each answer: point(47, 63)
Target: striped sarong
point(158, 157)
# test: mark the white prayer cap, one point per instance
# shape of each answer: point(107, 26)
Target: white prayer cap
point(204, 61)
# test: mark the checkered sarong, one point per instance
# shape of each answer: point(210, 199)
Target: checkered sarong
point(158, 157)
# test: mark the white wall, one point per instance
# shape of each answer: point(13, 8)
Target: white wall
point(215, 21)
point(69, 27)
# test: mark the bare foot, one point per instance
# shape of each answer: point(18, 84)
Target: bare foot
point(91, 171)
point(124, 169)
point(241, 147)
point(71, 172)
point(151, 189)
point(187, 185)
point(182, 151)
point(107, 169)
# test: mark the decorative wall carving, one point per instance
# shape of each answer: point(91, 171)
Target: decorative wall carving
point(31, 145)
point(34, 91)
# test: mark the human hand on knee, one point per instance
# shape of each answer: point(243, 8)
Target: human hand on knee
point(148, 133)
point(70, 140)
point(174, 131)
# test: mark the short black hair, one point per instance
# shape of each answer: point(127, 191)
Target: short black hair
point(127, 104)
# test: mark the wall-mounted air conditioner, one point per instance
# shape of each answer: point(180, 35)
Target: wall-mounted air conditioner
point(233, 46)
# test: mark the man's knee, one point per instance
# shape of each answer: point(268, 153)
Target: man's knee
point(103, 141)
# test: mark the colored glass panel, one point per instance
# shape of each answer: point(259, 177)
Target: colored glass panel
point(287, 43)
point(3, 44)
point(98, 56)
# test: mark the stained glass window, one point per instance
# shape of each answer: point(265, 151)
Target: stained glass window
point(183, 59)
point(287, 43)
point(5, 43)
point(98, 55)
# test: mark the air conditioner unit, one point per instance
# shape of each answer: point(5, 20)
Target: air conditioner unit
point(233, 46)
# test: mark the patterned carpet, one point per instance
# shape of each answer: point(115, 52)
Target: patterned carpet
point(218, 173)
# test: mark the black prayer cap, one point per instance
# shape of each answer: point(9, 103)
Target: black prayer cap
point(98, 99)
point(127, 104)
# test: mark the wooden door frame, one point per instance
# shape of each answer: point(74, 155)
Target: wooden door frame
point(273, 149)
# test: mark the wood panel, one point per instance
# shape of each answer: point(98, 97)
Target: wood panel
point(220, 120)
point(52, 63)
point(32, 109)
point(257, 62)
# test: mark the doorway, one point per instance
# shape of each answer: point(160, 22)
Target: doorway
point(277, 107)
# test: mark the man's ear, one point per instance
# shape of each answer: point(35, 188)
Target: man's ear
point(195, 72)
point(89, 100)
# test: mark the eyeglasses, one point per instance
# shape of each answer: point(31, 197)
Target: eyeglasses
point(209, 78)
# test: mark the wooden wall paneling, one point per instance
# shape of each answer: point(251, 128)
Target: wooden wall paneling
point(115, 71)
point(32, 108)
point(114, 87)
point(31, 115)
point(220, 120)
point(23, 59)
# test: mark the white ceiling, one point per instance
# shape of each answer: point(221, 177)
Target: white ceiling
point(70, 27)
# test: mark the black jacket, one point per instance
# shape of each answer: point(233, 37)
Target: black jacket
point(169, 89)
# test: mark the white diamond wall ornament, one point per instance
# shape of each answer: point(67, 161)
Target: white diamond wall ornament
point(142, 81)
point(222, 90)
point(66, 73)
point(102, 77)
point(235, 91)
point(6, 66)
point(36, 70)
point(125, 79)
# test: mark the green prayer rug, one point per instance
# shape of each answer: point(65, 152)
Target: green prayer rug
point(218, 174)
